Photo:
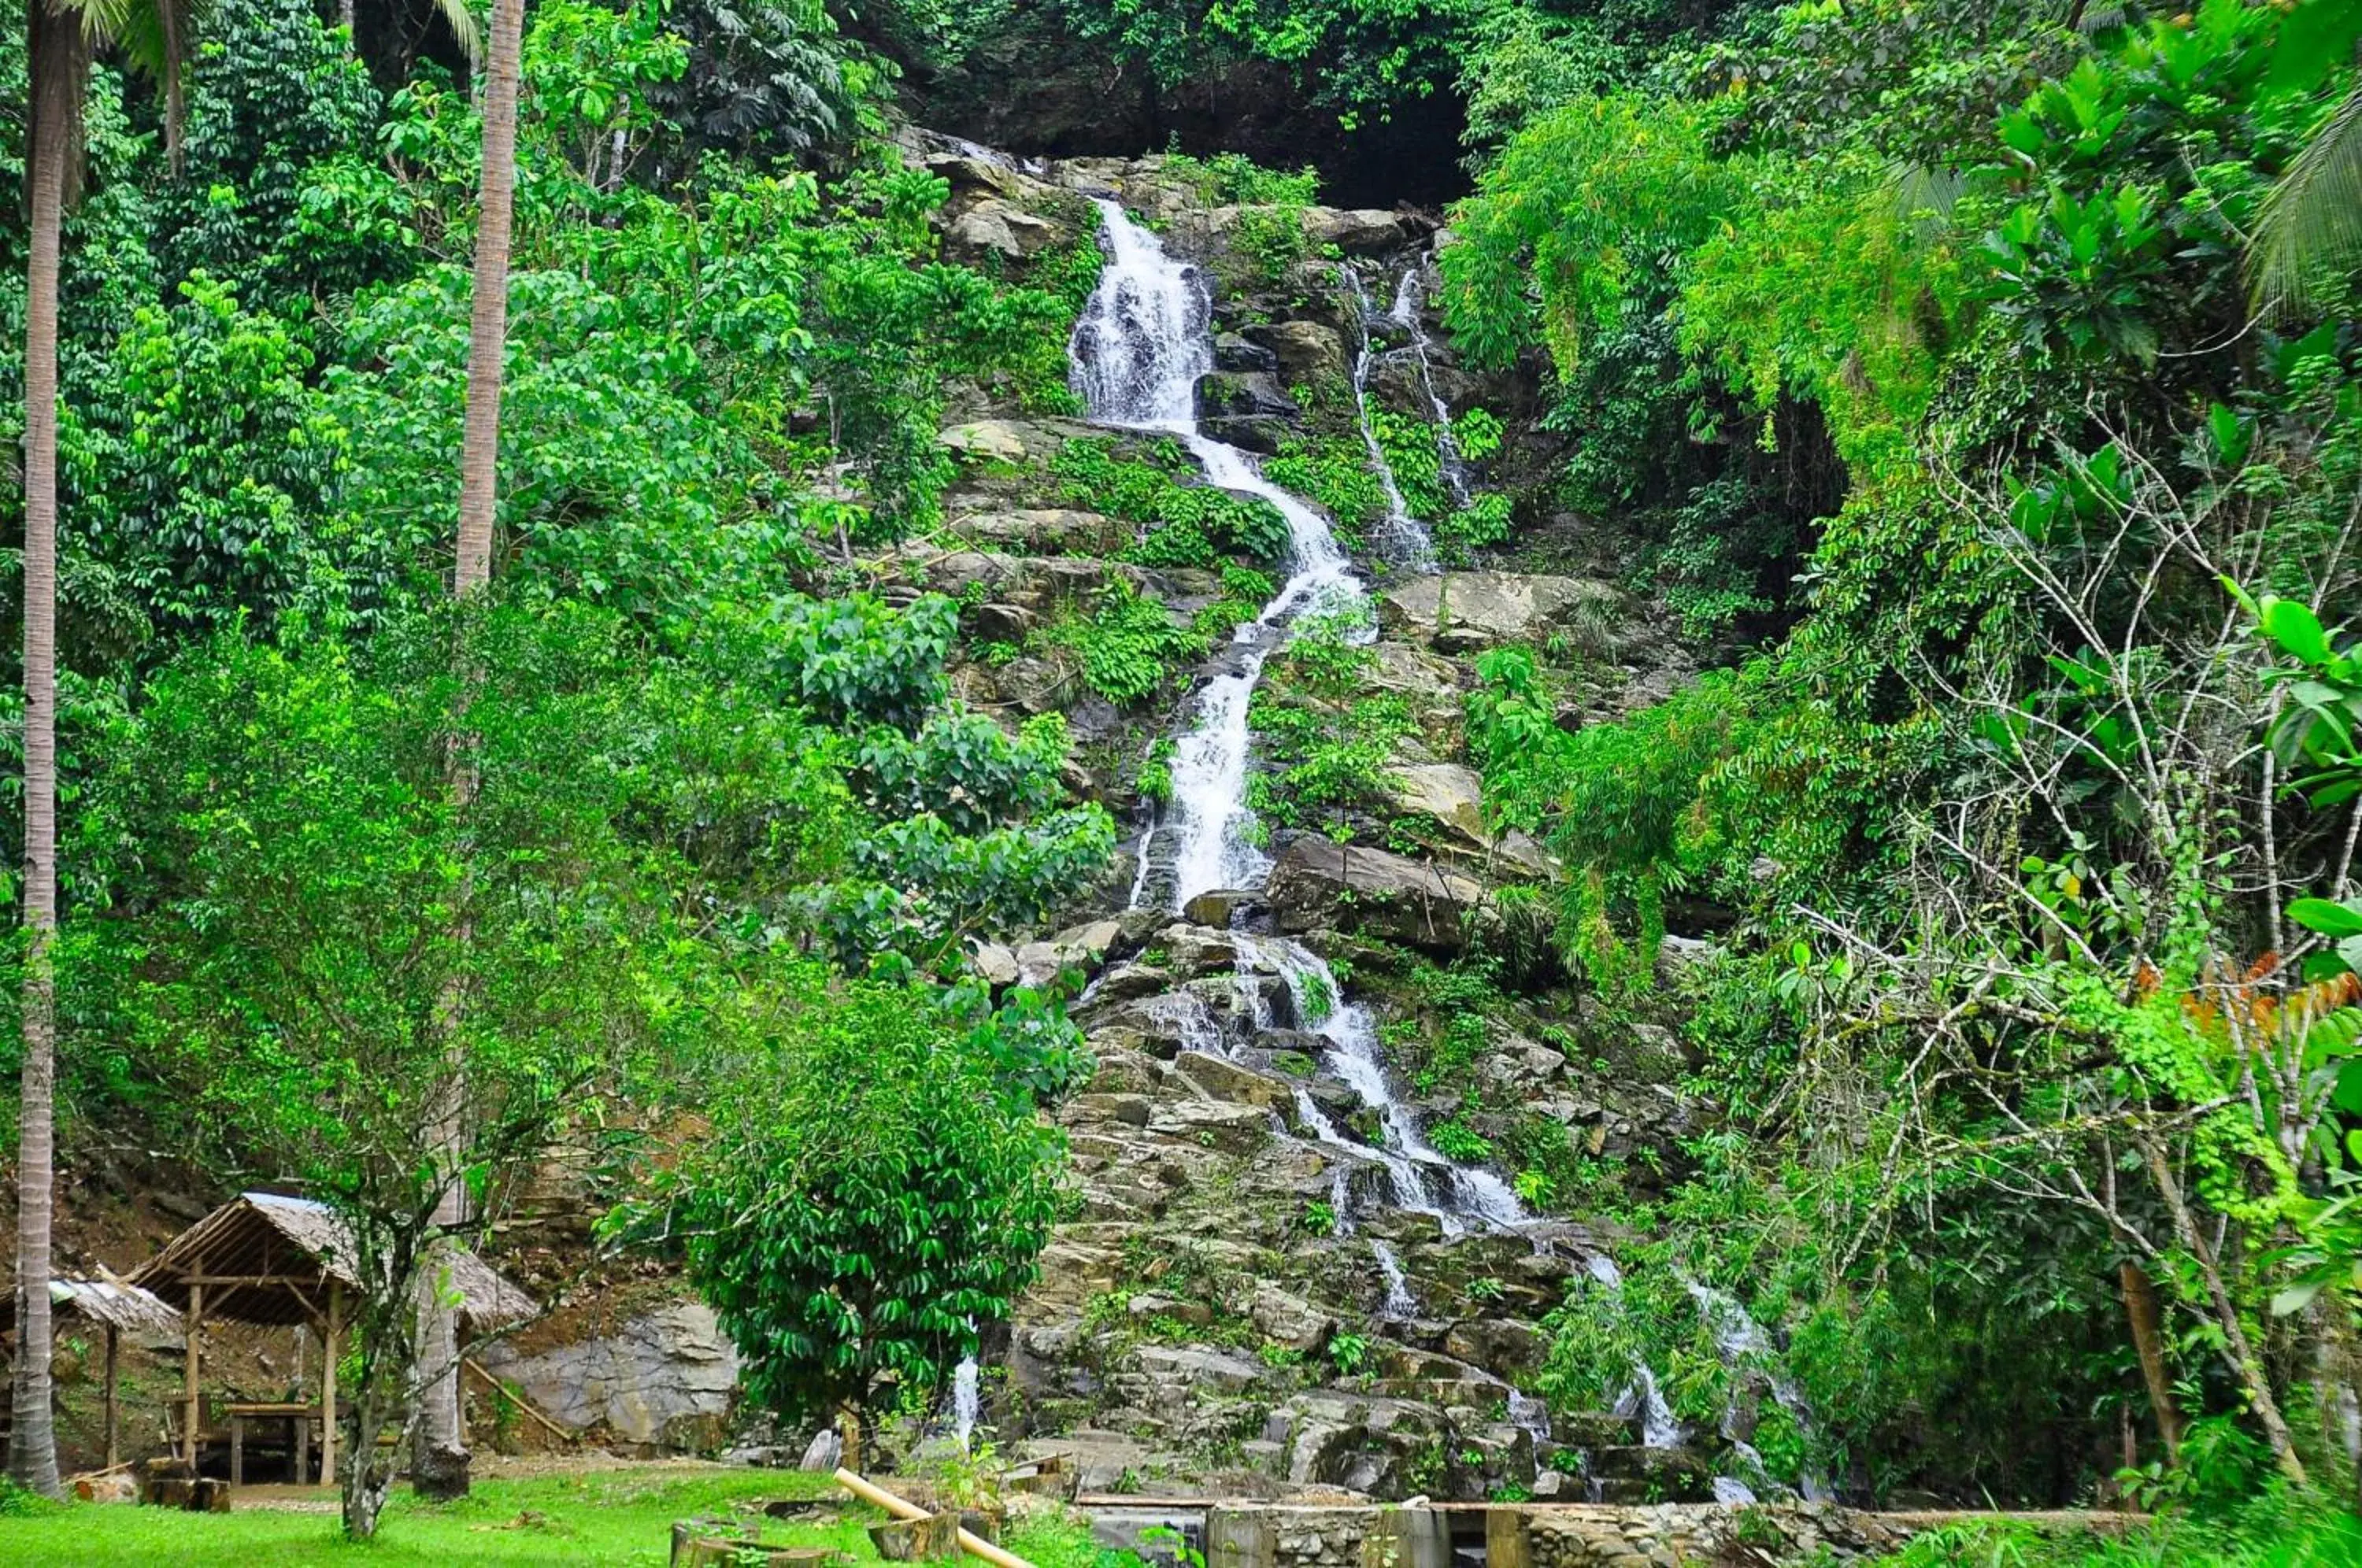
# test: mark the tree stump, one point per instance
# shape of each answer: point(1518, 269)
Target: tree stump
point(929, 1540)
point(439, 1475)
point(725, 1543)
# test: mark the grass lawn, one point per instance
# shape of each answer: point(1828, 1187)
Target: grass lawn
point(622, 1517)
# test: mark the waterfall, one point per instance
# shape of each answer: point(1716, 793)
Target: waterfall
point(1145, 338)
point(1401, 1303)
point(1143, 341)
point(966, 1402)
point(1405, 538)
point(1405, 313)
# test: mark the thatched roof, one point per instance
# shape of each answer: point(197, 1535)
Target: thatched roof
point(268, 1259)
point(110, 1303)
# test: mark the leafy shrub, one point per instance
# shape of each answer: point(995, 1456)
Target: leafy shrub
point(1129, 646)
point(872, 1192)
point(1456, 1140)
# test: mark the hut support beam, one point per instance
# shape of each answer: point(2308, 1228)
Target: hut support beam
point(114, 1404)
point(329, 1337)
point(189, 1426)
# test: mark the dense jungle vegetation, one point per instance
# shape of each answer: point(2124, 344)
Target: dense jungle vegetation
point(1980, 386)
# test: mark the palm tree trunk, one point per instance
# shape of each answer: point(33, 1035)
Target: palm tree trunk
point(57, 63)
point(487, 332)
point(442, 1442)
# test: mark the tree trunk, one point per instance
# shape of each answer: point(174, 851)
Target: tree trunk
point(369, 1476)
point(2148, 1338)
point(488, 330)
point(442, 1446)
point(57, 62)
point(2240, 1351)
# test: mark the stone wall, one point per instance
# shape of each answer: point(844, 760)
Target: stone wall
point(1667, 1535)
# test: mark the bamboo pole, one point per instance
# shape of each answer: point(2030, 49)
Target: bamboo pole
point(328, 1384)
point(197, 1316)
point(114, 1398)
point(497, 1387)
point(902, 1509)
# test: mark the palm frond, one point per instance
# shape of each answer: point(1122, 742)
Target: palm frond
point(460, 17)
point(2312, 222)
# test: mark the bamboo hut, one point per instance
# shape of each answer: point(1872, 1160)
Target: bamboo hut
point(118, 1308)
point(270, 1261)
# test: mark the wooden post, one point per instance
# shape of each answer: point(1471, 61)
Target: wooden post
point(236, 1449)
point(114, 1404)
point(328, 1339)
point(196, 1315)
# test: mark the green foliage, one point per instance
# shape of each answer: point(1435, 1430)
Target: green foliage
point(1230, 179)
point(1456, 1140)
point(1335, 472)
point(1186, 524)
point(202, 476)
point(872, 1192)
point(1327, 741)
point(1129, 646)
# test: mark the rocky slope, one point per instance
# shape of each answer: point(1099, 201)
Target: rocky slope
point(1242, 1302)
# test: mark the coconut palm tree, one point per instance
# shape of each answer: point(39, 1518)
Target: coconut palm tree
point(441, 1466)
point(60, 37)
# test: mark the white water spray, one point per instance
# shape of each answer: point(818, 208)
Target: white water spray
point(966, 1402)
point(1406, 537)
point(1401, 1303)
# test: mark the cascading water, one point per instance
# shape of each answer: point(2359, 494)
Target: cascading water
point(966, 1402)
point(1143, 341)
point(1658, 1426)
point(1741, 1342)
point(1138, 351)
point(1408, 293)
point(1401, 1303)
point(1406, 537)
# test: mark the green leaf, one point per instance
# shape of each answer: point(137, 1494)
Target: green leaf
point(2295, 1298)
point(2297, 630)
point(2330, 919)
point(2312, 40)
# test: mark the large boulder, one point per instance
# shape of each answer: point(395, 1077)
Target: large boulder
point(664, 1380)
point(1249, 393)
point(1305, 350)
point(1452, 798)
point(1458, 612)
point(995, 227)
point(1356, 231)
point(1318, 883)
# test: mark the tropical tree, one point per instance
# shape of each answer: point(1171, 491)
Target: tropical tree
point(60, 37)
